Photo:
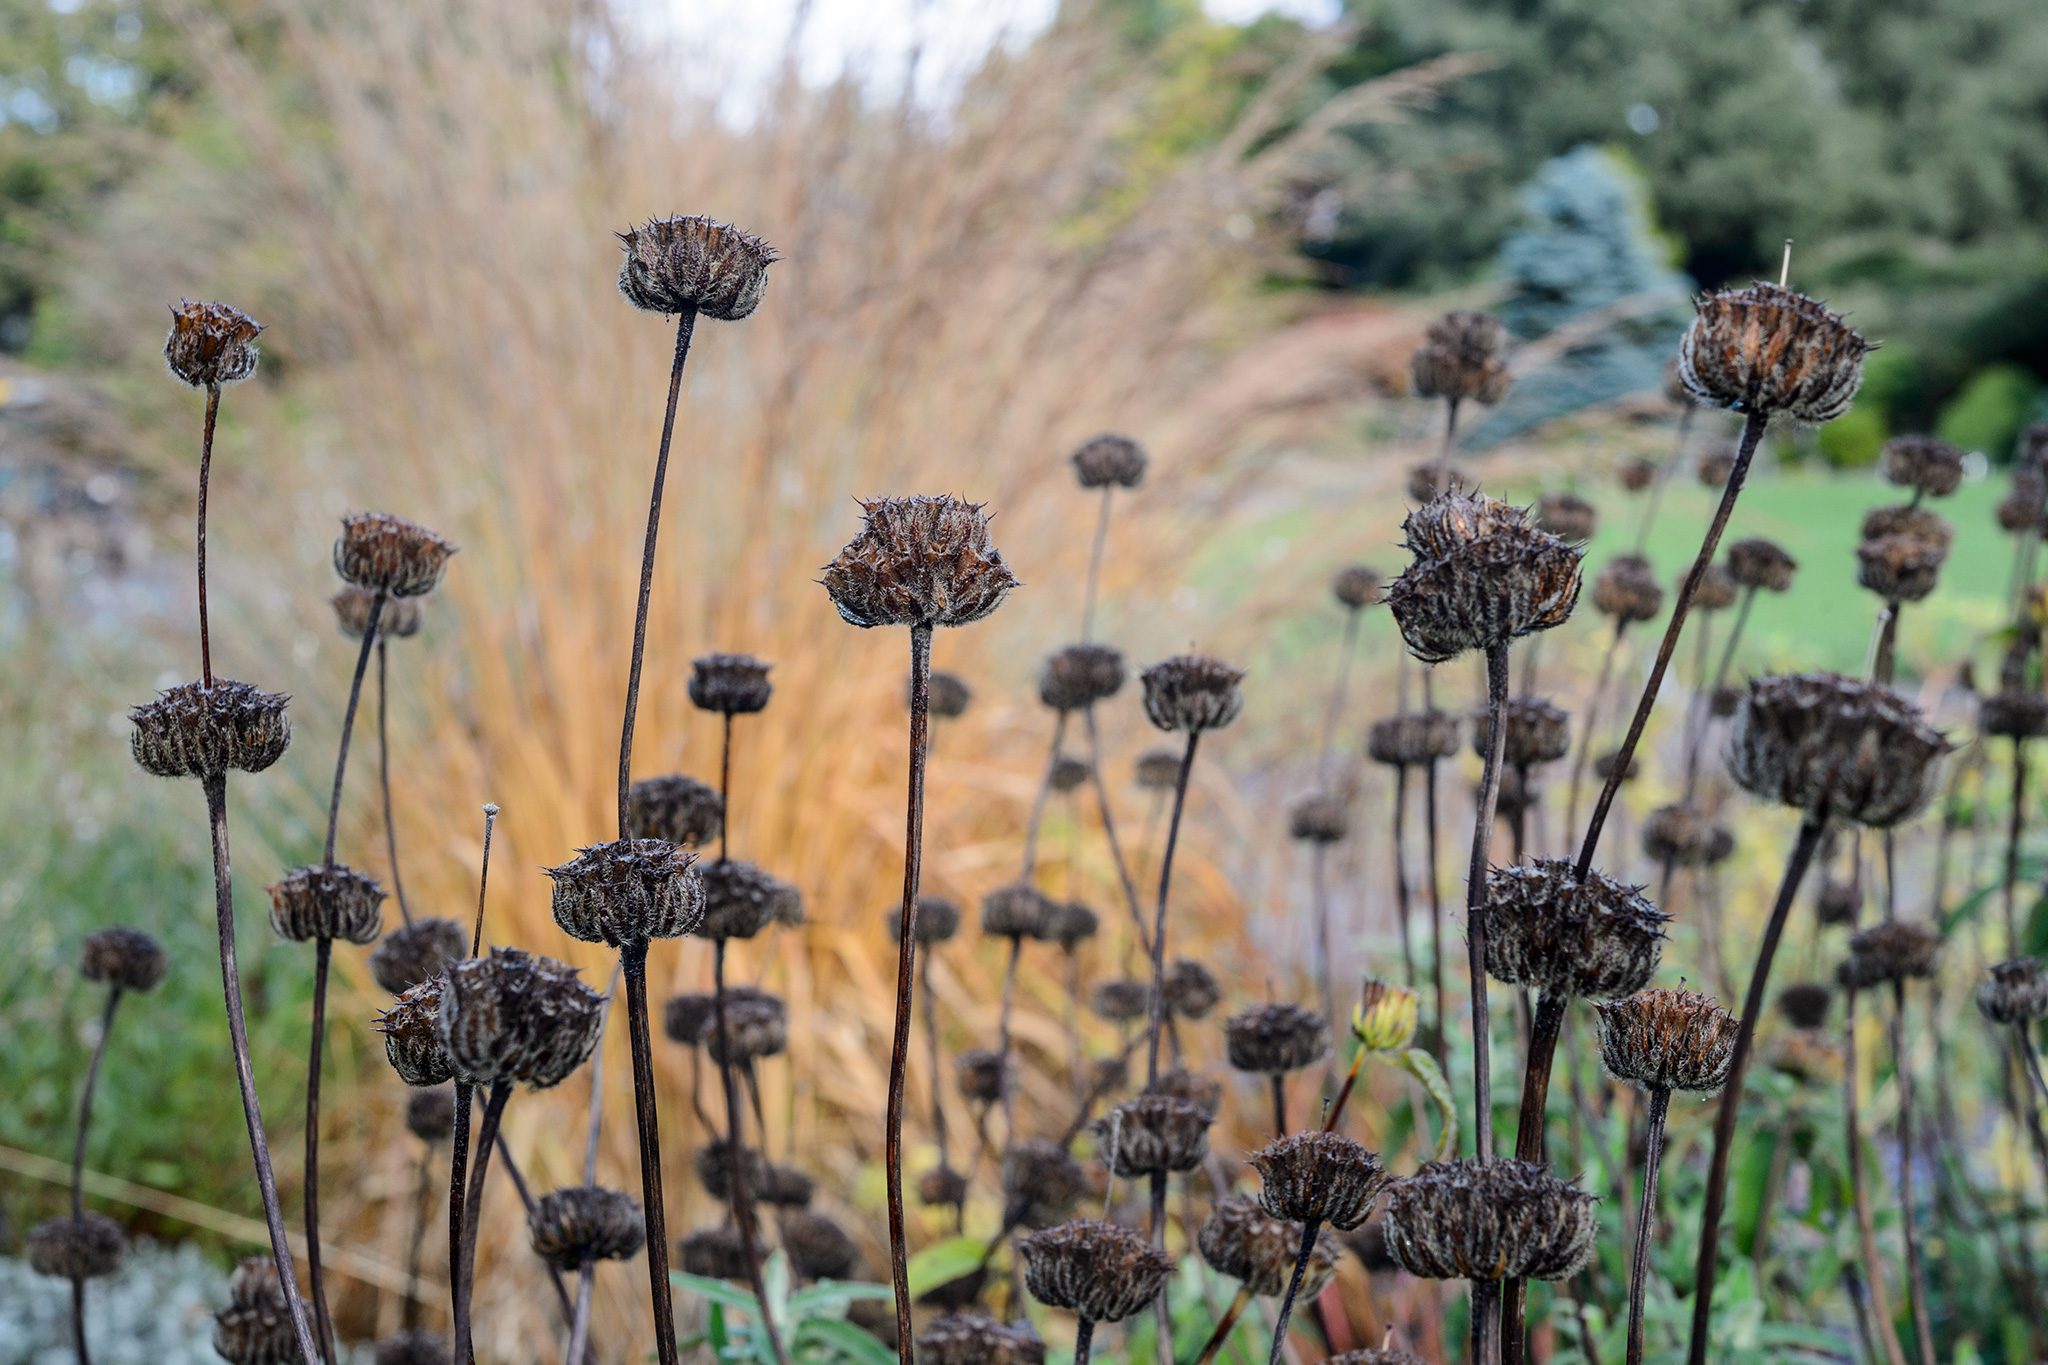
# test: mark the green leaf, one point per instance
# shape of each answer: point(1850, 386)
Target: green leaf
point(846, 1344)
point(943, 1261)
point(1423, 1068)
point(718, 1292)
point(829, 1298)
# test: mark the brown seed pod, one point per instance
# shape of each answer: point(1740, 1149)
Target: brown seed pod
point(1320, 818)
point(1766, 349)
point(1820, 742)
point(1805, 1003)
point(1095, 1270)
point(210, 345)
point(970, 1339)
point(1019, 910)
point(1627, 591)
point(1668, 1040)
point(412, 1034)
point(2014, 992)
point(715, 1253)
point(818, 1248)
point(1500, 1220)
point(1318, 1177)
point(1636, 473)
point(1603, 766)
point(1840, 900)
point(1109, 461)
point(1908, 520)
point(1066, 774)
point(326, 902)
point(1158, 769)
point(1717, 590)
point(1041, 1183)
point(740, 900)
point(399, 619)
point(1537, 732)
point(713, 1164)
point(685, 1017)
point(1154, 1133)
point(1195, 1087)
point(1413, 739)
point(919, 561)
point(1275, 1038)
point(1482, 576)
point(1193, 692)
point(690, 262)
point(1566, 515)
point(628, 891)
point(391, 555)
point(1548, 929)
point(413, 952)
point(938, 919)
point(2021, 509)
point(1430, 480)
point(730, 684)
point(1925, 464)
point(1715, 464)
point(1896, 950)
point(982, 1075)
point(1519, 793)
point(1761, 563)
point(941, 1187)
point(123, 958)
point(584, 1224)
point(1122, 1001)
point(1192, 990)
point(88, 1247)
point(2013, 713)
point(1242, 1241)
point(517, 1016)
point(947, 696)
point(679, 810)
point(1356, 586)
point(756, 1024)
point(256, 1326)
point(430, 1113)
point(414, 1346)
point(193, 730)
point(1071, 925)
point(1460, 359)
point(785, 1187)
point(1683, 835)
point(1899, 568)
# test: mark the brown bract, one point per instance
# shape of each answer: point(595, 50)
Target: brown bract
point(210, 344)
point(1769, 350)
point(412, 1034)
point(1190, 693)
point(382, 553)
point(1482, 577)
point(193, 730)
point(1109, 461)
point(326, 902)
point(919, 561)
point(1501, 1220)
point(517, 1016)
point(1318, 1177)
point(674, 265)
point(256, 1326)
point(1095, 1270)
point(1822, 743)
point(628, 891)
point(1668, 1040)
point(1551, 930)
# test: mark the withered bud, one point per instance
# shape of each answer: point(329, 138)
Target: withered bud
point(1158, 769)
point(982, 1075)
point(1717, 590)
point(430, 1113)
point(970, 1339)
point(715, 1253)
point(1192, 990)
point(713, 1163)
point(1122, 1001)
point(1896, 950)
point(740, 900)
point(1926, 464)
point(1320, 818)
point(941, 1187)
point(1840, 900)
point(919, 561)
point(1566, 515)
point(1684, 835)
point(1356, 586)
point(756, 1026)
point(1460, 359)
point(1603, 766)
point(1154, 1133)
point(413, 952)
point(1071, 925)
point(1066, 774)
point(399, 619)
point(1636, 473)
point(1109, 461)
point(388, 554)
point(2021, 509)
point(1078, 676)
point(1413, 739)
point(1900, 568)
point(579, 1226)
point(1823, 743)
point(2014, 713)
point(256, 1326)
point(1275, 1038)
point(210, 344)
point(1766, 349)
point(675, 265)
point(1242, 1241)
point(938, 919)
point(2014, 992)
point(1805, 1003)
point(730, 684)
point(1041, 1182)
point(193, 730)
point(1761, 563)
point(1537, 732)
point(947, 695)
point(1318, 1177)
point(1668, 1040)
point(1715, 464)
point(1193, 692)
point(1430, 480)
point(517, 1016)
point(123, 958)
point(1548, 929)
point(628, 891)
point(412, 1034)
point(678, 809)
point(818, 1248)
point(1498, 1220)
point(88, 1247)
point(1097, 1271)
point(1019, 910)
point(1627, 591)
point(326, 902)
point(1482, 577)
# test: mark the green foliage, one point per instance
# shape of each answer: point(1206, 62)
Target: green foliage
point(1990, 410)
point(1853, 440)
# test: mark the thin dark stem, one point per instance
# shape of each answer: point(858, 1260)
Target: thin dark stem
point(1084, 1338)
point(1308, 1246)
point(85, 1094)
point(1162, 1337)
point(78, 1322)
point(1646, 1222)
point(205, 480)
point(1887, 653)
point(2015, 821)
point(736, 1173)
point(1702, 715)
point(527, 1205)
point(1224, 1324)
point(323, 1322)
point(483, 881)
point(725, 789)
point(1335, 1111)
point(1400, 862)
point(1485, 1319)
point(579, 1322)
point(1592, 720)
point(633, 959)
point(1116, 852)
point(1803, 849)
point(1752, 433)
point(245, 1078)
point(930, 1013)
point(384, 784)
point(1544, 1028)
point(423, 1186)
point(1095, 565)
point(1916, 1271)
point(2037, 1086)
point(1443, 459)
point(1278, 1082)
point(1038, 802)
point(684, 326)
point(1009, 998)
point(1859, 1189)
point(1319, 894)
point(906, 965)
point(1436, 908)
point(458, 1179)
point(1158, 1003)
point(348, 723)
point(1335, 713)
point(1475, 900)
point(465, 1266)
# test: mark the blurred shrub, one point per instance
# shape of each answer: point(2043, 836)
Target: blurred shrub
point(1853, 440)
point(1989, 412)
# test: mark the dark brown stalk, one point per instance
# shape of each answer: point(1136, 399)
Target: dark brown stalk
point(1646, 1222)
point(736, 1173)
point(1084, 1338)
point(725, 790)
point(906, 966)
point(1475, 917)
point(1400, 861)
point(1436, 902)
point(1485, 1319)
point(1224, 1324)
point(458, 1179)
point(92, 1080)
point(348, 724)
point(1278, 1082)
point(465, 1266)
point(245, 1078)
point(1803, 848)
point(1009, 1000)
point(2037, 1087)
point(1443, 459)
point(1752, 433)
point(1116, 852)
point(1319, 893)
point(1886, 655)
point(1592, 719)
point(1095, 565)
point(579, 1322)
point(1158, 1004)
point(1308, 1246)
point(423, 1186)
point(2015, 821)
point(1859, 1193)
point(206, 479)
point(1545, 1025)
point(1335, 1109)
point(633, 959)
point(1916, 1272)
point(323, 1322)
point(384, 784)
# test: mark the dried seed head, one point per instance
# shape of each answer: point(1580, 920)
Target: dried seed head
point(713, 1164)
point(1896, 950)
point(430, 1113)
point(88, 1247)
point(1725, 702)
point(680, 810)
point(125, 959)
point(628, 891)
point(1820, 742)
point(1668, 1040)
point(730, 684)
point(1636, 473)
point(1192, 990)
point(1537, 732)
point(1242, 1241)
point(391, 555)
point(1482, 576)
point(947, 696)
point(941, 1187)
point(1840, 900)
point(1805, 1003)
point(938, 919)
point(2013, 713)
point(1154, 1133)
point(1097, 1271)
point(1430, 480)
point(1123, 1001)
point(1908, 520)
point(1715, 464)
point(210, 344)
point(413, 952)
point(256, 1326)
point(715, 1253)
point(1900, 568)
point(1685, 836)
point(919, 561)
point(399, 620)
point(412, 1034)
point(2015, 992)
point(1158, 769)
point(326, 902)
point(1925, 464)
point(1078, 676)
point(982, 1074)
point(584, 1224)
point(1072, 924)
point(2021, 507)
point(1566, 515)
point(1318, 1177)
point(818, 1248)
point(1761, 563)
point(516, 1016)
point(1460, 359)
point(1386, 1017)
point(784, 1187)
point(1766, 349)
point(756, 1024)
point(1193, 692)
point(1320, 818)
point(1275, 1038)
point(1413, 739)
point(1717, 589)
point(1041, 1183)
point(1019, 910)
point(1519, 793)
point(1356, 586)
point(970, 1339)
point(414, 1346)
point(740, 900)
point(1066, 773)
point(1546, 928)
point(1603, 766)
point(685, 1017)
point(1627, 591)
point(1501, 1220)
point(1109, 461)
point(675, 265)
point(193, 730)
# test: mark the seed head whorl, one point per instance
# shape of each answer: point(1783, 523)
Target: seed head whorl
point(1095, 1270)
point(1501, 1220)
point(2021, 509)
point(714, 1253)
point(1896, 950)
point(123, 958)
point(1190, 693)
point(1925, 464)
point(1318, 1177)
point(1460, 359)
point(1667, 1040)
point(1761, 563)
point(628, 891)
point(1071, 924)
point(938, 919)
point(730, 684)
point(193, 730)
point(210, 345)
point(1627, 591)
point(690, 262)
point(1109, 461)
point(2014, 992)
point(1482, 576)
point(756, 1023)
point(1566, 515)
point(1768, 350)
point(2013, 713)
point(983, 1075)
point(1635, 473)
point(1538, 732)
point(256, 1326)
point(1805, 1003)
point(387, 554)
point(399, 620)
point(1319, 818)
point(818, 1248)
point(1717, 589)
point(1080, 675)
point(1821, 742)
point(941, 1187)
point(1155, 1133)
point(1192, 990)
point(1275, 1038)
point(1356, 587)
point(1242, 1241)
point(1041, 1183)
point(1430, 480)
point(1158, 769)
point(413, 952)
point(1684, 835)
point(430, 1113)
point(517, 1016)
point(326, 902)
point(970, 1339)
point(412, 1034)
point(413, 1346)
point(948, 695)
point(1412, 739)
point(740, 900)
point(919, 561)
point(88, 1247)
point(1122, 1001)
point(678, 809)
point(1900, 568)
point(579, 1226)
point(1018, 910)
point(1547, 929)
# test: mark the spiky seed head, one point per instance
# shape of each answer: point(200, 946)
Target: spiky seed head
point(1566, 515)
point(971, 1339)
point(1154, 1133)
point(430, 1113)
point(784, 1187)
point(1636, 473)
point(1386, 1017)
point(391, 555)
point(1482, 576)
point(210, 344)
point(326, 902)
point(1684, 835)
point(740, 900)
point(1066, 774)
point(1109, 461)
point(193, 730)
point(1805, 1003)
point(1603, 766)
point(1896, 950)
point(517, 1016)
point(1900, 568)
point(399, 620)
point(413, 952)
point(818, 1248)
point(1320, 818)
point(1095, 1270)
point(256, 1326)
point(1192, 990)
point(947, 695)
point(1768, 350)
point(123, 958)
point(1429, 480)
point(1356, 587)
point(730, 684)
point(1318, 1177)
point(675, 265)
point(1908, 520)
point(1501, 1220)
point(414, 1346)
point(88, 1247)
point(1668, 1040)
point(1925, 464)
point(1715, 464)
point(2014, 992)
point(1158, 769)
point(1191, 693)
point(1071, 925)
point(983, 1075)
point(1274, 1038)
point(1627, 591)
point(1413, 739)
point(2013, 713)
point(1538, 731)
point(1242, 1241)
point(1041, 1182)
point(938, 919)
point(1820, 742)
point(713, 1163)
point(1079, 676)
point(628, 891)
point(584, 1224)
point(685, 1017)
point(1460, 359)
point(2022, 506)
point(1717, 589)
point(941, 1187)
point(756, 1023)
point(919, 561)
point(1761, 563)
point(714, 1253)
point(1018, 910)
point(1122, 1001)
point(1840, 900)
point(412, 1034)
point(675, 808)
point(1548, 928)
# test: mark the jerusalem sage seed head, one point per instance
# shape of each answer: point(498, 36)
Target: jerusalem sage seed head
point(1537, 731)
point(399, 619)
point(1041, 1182)
point(412, 1034)
point(1460, 359)
point(1356, 586)
point(1627, 591)
point(971, 1339)
point(1823, 743)
point(1192, 990)
point(756, 1022)
point(579, 1226)
point(1319, 818)
point(1275, 1038)
point(210, 345)
point(1080, 675)
point(730, 684)
point(1413, 739)
point(255, 1328)
point(1190, 693)
point(2014, 992)
point(1552, 930)
point(919, 561)
point(1684, 835)
point(1318, 1177)
point(1482, 577)
point(950, 695)
point(938, 919)
point(1926, 464)
point(628, 891)
point(193, 730)
point(1761, 563)
point(382, 553)
point(430, 1113)
point(1017, 910)
point(1771, 351)
point(1109, 461)
point(88, 1247)
point(1497, 1220)
point(690, 262)
point(1155, 1133)
point(1241, 1241)
point(123, 958)
point(330, 902)
point(1566, 515)
point(517, 1016)
point(1095, 1270)
point(411, 953)
point(1668, 1040)
point(1900, 568)
point(818, 1248)
point(675, 808)
point(1896, 950)
point(740, 900)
